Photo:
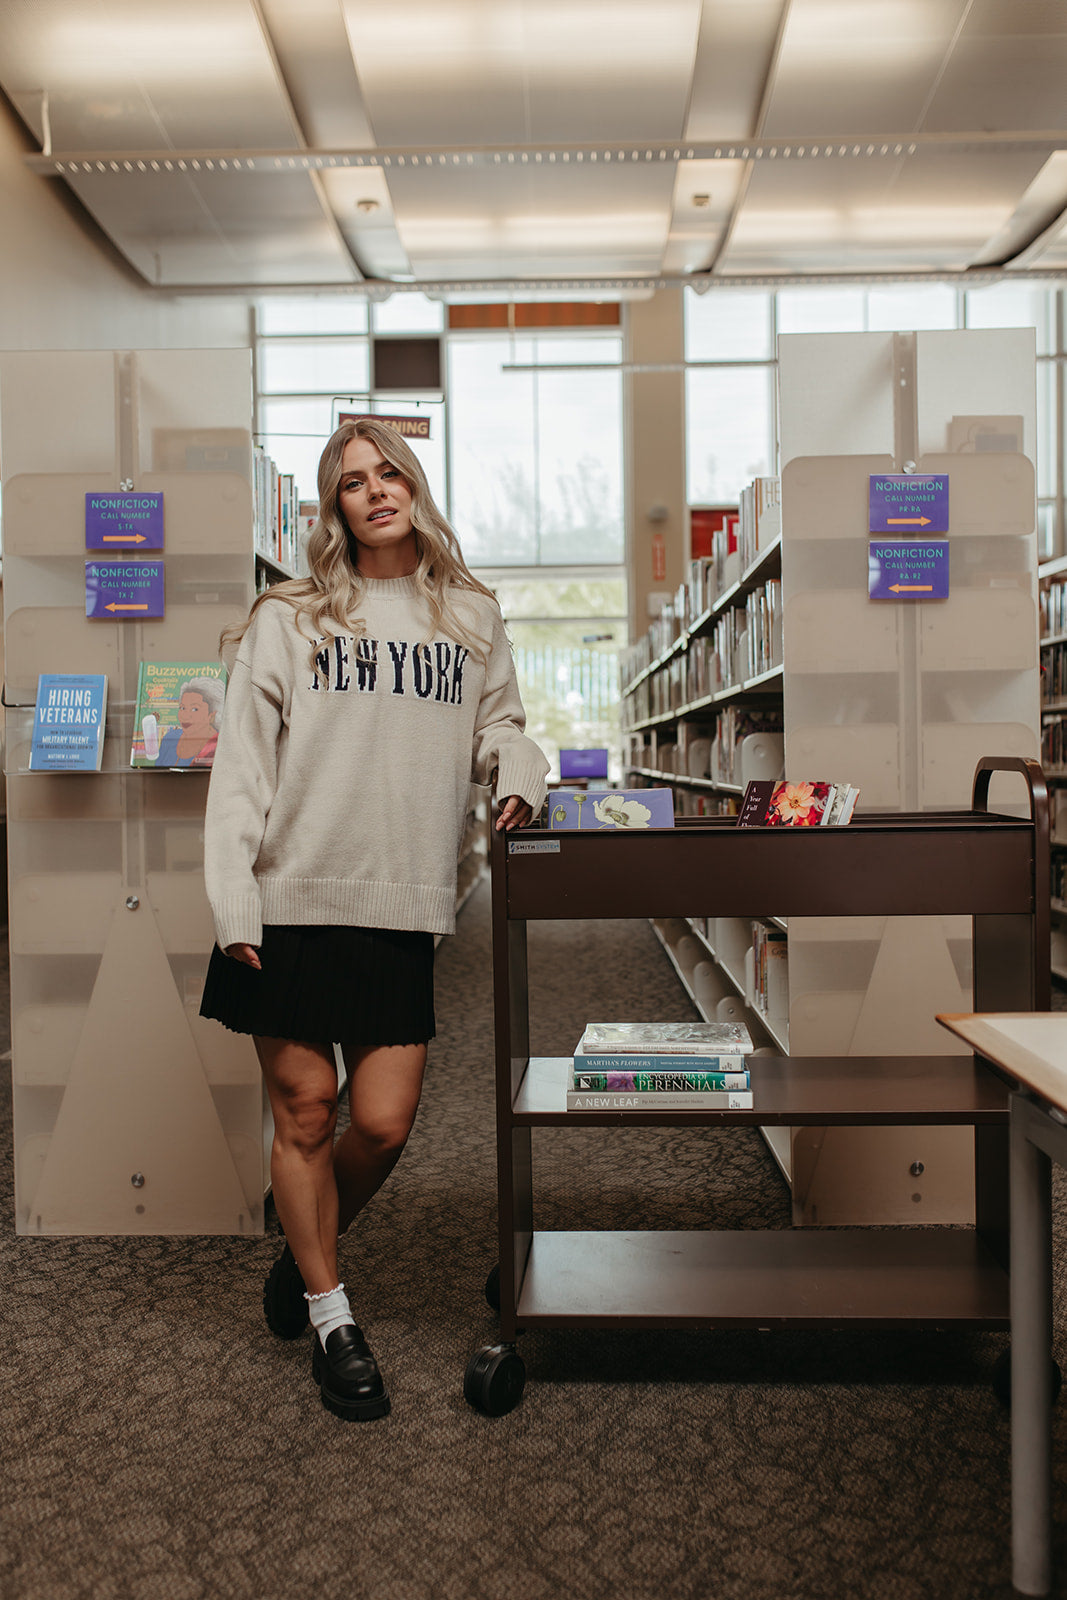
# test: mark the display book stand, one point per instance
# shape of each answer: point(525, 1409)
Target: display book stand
point(132, 1115)
point(992, 868)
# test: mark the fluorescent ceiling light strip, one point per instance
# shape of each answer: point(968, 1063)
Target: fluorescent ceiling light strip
point(894, 148)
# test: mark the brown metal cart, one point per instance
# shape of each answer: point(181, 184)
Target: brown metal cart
point(993, 868)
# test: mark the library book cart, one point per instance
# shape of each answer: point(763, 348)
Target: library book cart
point(991, 867)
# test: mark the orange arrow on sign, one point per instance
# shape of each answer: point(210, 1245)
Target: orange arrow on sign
point(907, 522)
point(112, 606)
point(127, 538)
point(910, 588)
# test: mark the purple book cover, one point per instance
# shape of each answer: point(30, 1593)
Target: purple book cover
point(626, 810)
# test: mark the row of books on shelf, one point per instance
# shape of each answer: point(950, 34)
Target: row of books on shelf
point(743, 535)
point(1054, 672)
point(1054, 742)
point(1052, 602)
point(737, 744)
point(767, 803)
point(745, 642)
point(281, 520)
point(633, 1066)
point(176, 724)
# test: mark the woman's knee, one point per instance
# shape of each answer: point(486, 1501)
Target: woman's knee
point(305, 1121)
point(385, 1134)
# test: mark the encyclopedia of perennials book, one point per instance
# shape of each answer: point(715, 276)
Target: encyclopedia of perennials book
point(68, 722)
point(634, 1066)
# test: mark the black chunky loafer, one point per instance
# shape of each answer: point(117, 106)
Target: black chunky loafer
point(284, 1305)
point(347, 1375)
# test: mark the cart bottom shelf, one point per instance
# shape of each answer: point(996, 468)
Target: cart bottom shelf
point(853, 1278)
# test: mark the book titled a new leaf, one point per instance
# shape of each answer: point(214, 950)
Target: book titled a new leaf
point(68, 722)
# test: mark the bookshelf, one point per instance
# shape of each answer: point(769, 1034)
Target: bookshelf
point(131, 1115)
point(973, 863)
point(1053, 622)
point(900, 698)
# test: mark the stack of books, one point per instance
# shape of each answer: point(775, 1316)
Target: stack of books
point(661, 1066)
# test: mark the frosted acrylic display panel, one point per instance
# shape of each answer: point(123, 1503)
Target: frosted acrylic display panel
point(903, 697)
point(132, 1114)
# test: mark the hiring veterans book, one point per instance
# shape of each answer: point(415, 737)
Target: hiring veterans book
point(179, 712)
point(807, 804)
point(711, 1100)
point(685, 1039)
point(68, 722)
point(625, 810)
point(660, 1082)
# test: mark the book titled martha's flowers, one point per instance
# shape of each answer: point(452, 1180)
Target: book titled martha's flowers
point(625, 810)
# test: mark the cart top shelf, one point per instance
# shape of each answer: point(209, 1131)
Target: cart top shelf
point(898, 864)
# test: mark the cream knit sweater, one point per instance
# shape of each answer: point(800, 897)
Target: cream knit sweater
point(338, 795)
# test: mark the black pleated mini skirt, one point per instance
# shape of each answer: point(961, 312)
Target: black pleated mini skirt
point(364, 986)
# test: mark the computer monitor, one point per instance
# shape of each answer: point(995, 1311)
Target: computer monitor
point(582, 764)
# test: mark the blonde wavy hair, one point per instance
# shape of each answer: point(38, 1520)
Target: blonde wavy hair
point(331, 595)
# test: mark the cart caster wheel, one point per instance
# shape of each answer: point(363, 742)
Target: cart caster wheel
point(1002, 1379)
point(492, 1287)
point(494, 1379)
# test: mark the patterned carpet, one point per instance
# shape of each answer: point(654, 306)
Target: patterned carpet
point(159, 1444)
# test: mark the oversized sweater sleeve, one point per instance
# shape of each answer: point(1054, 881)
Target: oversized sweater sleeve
point(499, 739)
point(244, 779)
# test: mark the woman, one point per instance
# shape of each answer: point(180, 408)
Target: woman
point(363, 701)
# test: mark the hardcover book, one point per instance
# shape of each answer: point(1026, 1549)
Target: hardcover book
point(68, 722)
point(662, 1061)
point(711, 1100)
point(664, 1038)
point(179, 712)
point(807, 804)
point(622, 809)
point(660, 1082)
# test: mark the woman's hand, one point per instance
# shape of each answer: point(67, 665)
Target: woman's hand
point(246, 953)
point(514, 813)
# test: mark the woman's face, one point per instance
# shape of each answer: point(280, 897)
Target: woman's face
point(193, 711)
point(375, 501)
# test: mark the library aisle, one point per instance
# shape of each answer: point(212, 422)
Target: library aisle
point(159, 1443)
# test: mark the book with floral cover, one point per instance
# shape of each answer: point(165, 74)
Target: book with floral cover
point(626, 810)
point(669, 1082)
point(686, 1039)
point(806, 804)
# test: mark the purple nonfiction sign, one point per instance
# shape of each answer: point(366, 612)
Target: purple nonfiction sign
point(908, 569)
point(124, 521)
point(124, 591)
point(906, 503)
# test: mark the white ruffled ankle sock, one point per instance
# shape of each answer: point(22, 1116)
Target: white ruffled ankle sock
point(329, 1311)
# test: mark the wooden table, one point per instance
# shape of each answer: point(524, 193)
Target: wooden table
point(1032, 1048)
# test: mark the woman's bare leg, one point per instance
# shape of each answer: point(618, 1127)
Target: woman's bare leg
point(384, 1085)
point(301, 1084)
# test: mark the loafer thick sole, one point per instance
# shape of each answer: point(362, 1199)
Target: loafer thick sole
point(347, 1374)
point(284, 1305)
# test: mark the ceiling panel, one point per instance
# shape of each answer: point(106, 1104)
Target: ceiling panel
point(994, 81)
point(539, 221)
point(847, 68)
point(933, 211)
point(523, 71)
point(120, 74)
point(218, 227)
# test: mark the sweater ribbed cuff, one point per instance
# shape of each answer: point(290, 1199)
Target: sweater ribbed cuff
point(518, 774)
point(238, 920)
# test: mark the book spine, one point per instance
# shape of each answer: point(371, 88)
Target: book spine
point(661, 1082)
point(658, 1061)
point(712, 1100)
